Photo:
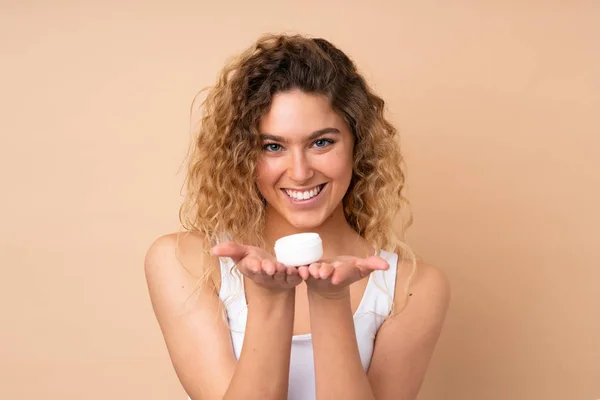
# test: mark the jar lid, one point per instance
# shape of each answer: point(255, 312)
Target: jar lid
point(299, 249)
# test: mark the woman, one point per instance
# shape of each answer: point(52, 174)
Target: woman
point(293, 140)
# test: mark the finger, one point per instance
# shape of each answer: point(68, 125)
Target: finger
point(232, 250)
point(313, 269)
point(290, 270)
point(373, 263)
point(303, 272)
point(291, 276)
point(293, 279)
point(251, 265)
point(345, 273)
point(326, 271)
point(269, 267)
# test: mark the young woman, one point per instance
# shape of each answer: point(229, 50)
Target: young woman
point(293, 140)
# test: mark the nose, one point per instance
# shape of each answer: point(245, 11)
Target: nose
point(299, 168)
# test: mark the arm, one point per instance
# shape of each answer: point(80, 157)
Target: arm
point(263, 369)
point(403, 347)
point(405, 342)
point(338, 371)
point(198, 338)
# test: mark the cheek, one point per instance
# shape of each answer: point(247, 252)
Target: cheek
point(341, 168)
point(264, 175)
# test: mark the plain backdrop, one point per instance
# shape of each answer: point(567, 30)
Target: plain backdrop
point(498, 106)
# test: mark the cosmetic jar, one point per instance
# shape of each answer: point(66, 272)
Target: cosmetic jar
point(299, 249)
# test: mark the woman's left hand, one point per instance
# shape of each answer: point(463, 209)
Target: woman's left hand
point(331, 278)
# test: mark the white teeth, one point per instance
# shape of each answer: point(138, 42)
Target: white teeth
point(303, 195)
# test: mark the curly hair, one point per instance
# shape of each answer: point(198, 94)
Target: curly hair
point(221, 193)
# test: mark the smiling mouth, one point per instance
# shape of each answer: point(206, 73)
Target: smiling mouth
point(303, 195)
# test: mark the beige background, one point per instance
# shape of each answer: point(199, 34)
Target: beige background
point(498, 105)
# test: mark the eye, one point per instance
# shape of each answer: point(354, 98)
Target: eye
point(323, 142)
point(271, 147)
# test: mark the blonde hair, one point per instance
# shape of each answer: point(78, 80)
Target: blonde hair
point(221, 195)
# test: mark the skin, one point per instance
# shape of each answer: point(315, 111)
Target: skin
point(305, 144)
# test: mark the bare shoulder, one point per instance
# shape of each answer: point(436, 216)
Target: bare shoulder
point(179, 256)
point(186, 244)
point(177, 273)
point(420, 307)
point(429, 286)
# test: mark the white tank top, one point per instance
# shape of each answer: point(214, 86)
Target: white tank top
point(374, 306)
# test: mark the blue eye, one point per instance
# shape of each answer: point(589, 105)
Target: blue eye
point(271, 147)
point(323, 143)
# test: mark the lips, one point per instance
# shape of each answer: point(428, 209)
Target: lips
point(303, 195)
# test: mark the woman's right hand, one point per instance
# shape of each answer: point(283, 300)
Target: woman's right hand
point(259, 266)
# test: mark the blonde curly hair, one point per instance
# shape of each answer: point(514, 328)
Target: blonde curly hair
point(221, 195)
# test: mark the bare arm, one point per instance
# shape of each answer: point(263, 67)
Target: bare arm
point(198, 338)
point(403, 346)
point(405, 342)
point(263, 369)
point(338, 370)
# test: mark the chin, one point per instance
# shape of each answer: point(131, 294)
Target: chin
point(305, 223)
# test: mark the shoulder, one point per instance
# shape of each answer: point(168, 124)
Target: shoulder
point(426, 279)
point(174, 248)
point(180, 257)
point(422, 290)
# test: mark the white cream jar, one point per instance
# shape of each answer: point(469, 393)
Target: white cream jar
point(299, 249)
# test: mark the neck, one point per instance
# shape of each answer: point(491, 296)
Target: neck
point(337, 235)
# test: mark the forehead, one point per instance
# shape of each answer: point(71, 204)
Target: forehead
point(297, 114)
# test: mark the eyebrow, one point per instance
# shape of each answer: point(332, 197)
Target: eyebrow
point(312, 136)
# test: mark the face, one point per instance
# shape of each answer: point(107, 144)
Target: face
point(305, 165)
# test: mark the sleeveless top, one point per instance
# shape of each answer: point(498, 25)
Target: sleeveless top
point(374, 306)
